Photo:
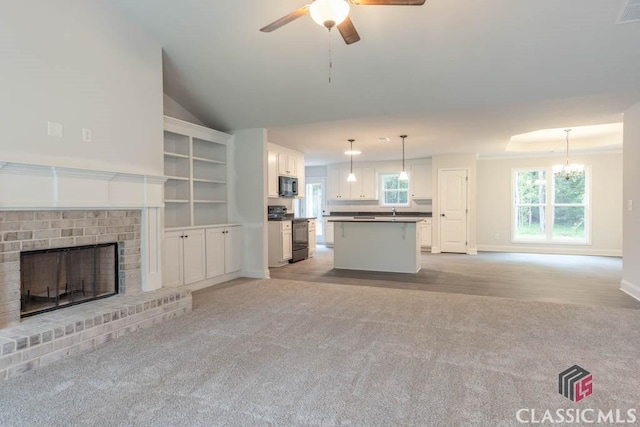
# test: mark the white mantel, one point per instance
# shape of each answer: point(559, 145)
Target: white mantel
point(41, 187)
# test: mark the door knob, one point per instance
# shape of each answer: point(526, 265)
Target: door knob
point(441, 214)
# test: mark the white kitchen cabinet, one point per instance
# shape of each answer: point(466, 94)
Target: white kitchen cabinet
point(312, 237)
point(224, 250)
point(280, 243)
point(184, 259)
point(425, 233)
point(421, 181)
point(195, 192)
point(328, 233)
point(272, 174)
point(287, 164)
point(364, 188)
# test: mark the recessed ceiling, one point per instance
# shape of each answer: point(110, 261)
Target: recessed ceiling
point(456, 76)
point(594, 137)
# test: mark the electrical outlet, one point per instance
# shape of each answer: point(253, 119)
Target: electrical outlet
point(87, 135)
point(54, 129)
point(630, 205)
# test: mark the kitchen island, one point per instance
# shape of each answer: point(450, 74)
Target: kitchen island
point(380, 244)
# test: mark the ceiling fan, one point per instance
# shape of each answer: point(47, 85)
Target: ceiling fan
point(332, 13)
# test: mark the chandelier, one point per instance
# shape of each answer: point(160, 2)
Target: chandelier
point(568, 171)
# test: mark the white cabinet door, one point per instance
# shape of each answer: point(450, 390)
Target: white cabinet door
point(215, 252)
point(232, 249)
point(334, 191)
point(172, 259)
point(368, 183)
point(421, 182)
point(194, 256)
point(272, 174)
point(287, 165)
point(344, 185)
point(287, 249)
point(328, 233)
point(425, 234)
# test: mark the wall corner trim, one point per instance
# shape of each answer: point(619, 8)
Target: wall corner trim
point(630, 289)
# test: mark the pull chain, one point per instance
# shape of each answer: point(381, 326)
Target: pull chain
point(330, 57)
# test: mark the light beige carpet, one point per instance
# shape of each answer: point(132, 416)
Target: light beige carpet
point(294, 353)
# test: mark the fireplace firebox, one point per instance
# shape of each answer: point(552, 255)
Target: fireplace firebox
point(55, 278)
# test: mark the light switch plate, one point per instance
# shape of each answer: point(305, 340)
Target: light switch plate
point(54, 129)
point(630, 204)
point(87, 135)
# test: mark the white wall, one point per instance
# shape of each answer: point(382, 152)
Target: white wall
point(248, 198)
point(82, 64)
point(631, 191)
point(494, 204)
point(456, 161)
point(177, 111)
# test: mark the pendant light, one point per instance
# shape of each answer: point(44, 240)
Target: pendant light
point(351, 177)
point(568, 171)
point(403, 174)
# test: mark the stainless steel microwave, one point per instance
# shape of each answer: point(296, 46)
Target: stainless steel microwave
point(287, 186)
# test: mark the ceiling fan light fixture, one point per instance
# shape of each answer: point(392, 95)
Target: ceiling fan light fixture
point(329, 13)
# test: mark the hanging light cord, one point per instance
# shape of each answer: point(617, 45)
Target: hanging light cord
point(351, 141)
point(330, 56)
point(403, 137)
point(567, 131)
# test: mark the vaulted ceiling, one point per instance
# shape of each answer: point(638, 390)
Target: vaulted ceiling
point(456, 76)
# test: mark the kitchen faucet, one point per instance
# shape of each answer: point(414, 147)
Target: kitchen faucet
point(393, 210)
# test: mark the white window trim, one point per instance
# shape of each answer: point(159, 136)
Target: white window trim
point(547, 239)
point(381, 176)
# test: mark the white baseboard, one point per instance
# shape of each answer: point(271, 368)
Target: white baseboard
point(631, 289)
point(214, 281)
point(256, 274)
point(472, 251)
point(559, 250)
point(435, 249)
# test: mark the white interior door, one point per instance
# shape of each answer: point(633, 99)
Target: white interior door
point(452, 198)
point(316, 204)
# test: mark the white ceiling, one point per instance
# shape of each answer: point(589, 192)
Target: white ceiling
point(456, 76)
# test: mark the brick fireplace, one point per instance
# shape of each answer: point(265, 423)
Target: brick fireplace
point(46, 229)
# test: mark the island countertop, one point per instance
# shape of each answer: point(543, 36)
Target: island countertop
point(386, 220)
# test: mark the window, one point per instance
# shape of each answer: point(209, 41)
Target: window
point(394, 190)
point(549, 208)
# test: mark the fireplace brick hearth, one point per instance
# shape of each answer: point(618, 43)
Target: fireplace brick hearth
point(46, 229)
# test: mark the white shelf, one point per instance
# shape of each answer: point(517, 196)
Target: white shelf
point(195, 167)
point(178, 155)
point(202, 159)
point(210, 181)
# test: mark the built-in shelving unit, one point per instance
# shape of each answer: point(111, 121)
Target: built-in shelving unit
point(195, 165)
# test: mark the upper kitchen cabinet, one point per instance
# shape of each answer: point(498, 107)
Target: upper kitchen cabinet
point(364, 188)
point(283, 161)
point(421, 181)
point(195, 165)
point(287, 165)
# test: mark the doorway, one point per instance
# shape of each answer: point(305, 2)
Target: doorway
point(452, 198)
point(314, 204)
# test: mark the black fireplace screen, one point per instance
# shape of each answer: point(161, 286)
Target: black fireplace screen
point(55, 278)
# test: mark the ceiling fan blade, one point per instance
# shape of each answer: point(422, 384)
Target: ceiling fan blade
point(286, 19)
point(388, 2)
point(348, 31)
